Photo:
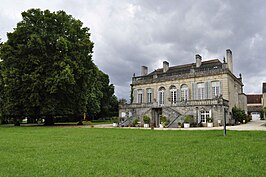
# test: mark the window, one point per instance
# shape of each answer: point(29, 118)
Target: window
point(204, 115)
point(149, 95)
point(140, 96)
point(173, 93)
point(184, 92)
point(215, 89)
point(161, 96)
point(201, 91)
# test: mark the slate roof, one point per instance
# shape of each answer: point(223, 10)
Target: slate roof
point(184, 69)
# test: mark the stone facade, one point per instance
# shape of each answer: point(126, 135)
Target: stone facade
point(203, 90)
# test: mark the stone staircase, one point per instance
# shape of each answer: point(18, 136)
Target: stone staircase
point(174, 116)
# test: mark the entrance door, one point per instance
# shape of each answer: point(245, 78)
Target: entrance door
point(156, 112)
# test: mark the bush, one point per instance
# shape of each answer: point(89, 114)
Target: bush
point(209, 119)
point(188, 119)
point(135, 122)
point(115, 119)
point(146, 119)
point(163, 119)
point(79, 123)
point(238, 114)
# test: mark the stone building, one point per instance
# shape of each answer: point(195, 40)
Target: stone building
point(204, 89)
point(256, 103)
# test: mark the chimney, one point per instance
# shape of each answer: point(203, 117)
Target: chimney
point(144, 70)
point(165, 66)
point(229, 58)
point(198, 60)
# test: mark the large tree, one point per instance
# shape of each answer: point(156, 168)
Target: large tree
point(47, 66)
point(109, 102)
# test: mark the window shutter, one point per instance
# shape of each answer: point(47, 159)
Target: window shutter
point(194, 91)
point(206, 90)
point(221, 88)
point(199, 117)
point(135, 96)
point(188, 94)
point(143, 96)
point(152, 95)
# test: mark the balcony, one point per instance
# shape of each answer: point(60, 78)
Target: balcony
point(189, 103)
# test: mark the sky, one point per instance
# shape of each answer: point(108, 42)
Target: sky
point(128, 34)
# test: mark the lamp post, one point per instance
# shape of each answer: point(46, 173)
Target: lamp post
point(225, 111)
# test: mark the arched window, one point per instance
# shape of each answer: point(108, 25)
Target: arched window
point(184, 92)
point(161, 96)
point(173, 94)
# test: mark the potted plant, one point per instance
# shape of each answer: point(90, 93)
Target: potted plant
point(209, 122)
point(146, 120)
point(187, 121)
point(115, 121)
point(163, 121)
point(179, 124)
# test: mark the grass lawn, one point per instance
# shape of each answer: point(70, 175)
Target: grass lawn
point(49, 151)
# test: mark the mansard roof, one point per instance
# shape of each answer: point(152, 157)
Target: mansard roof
point(184, 69)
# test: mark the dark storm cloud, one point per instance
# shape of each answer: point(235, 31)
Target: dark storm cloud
point(129, 34)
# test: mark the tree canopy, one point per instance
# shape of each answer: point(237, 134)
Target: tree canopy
point(47, 67)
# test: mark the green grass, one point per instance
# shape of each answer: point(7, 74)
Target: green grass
point(49, 151)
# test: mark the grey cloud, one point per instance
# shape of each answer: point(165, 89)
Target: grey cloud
point(129, 34)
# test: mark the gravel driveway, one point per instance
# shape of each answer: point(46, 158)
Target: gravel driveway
point(250, 126)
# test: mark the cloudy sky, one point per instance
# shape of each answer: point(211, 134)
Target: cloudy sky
point(131, 33)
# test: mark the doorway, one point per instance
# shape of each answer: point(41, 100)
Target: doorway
point(156, 112)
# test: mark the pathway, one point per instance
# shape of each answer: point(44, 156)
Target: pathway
point(250, 126)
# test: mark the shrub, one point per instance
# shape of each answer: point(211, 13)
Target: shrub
point(146, 119)
point(79, 123)
point(163, 119)
point(135, 122)
point(238, 114)
point(188, 119)
point(115, 119)
point(209, 119)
